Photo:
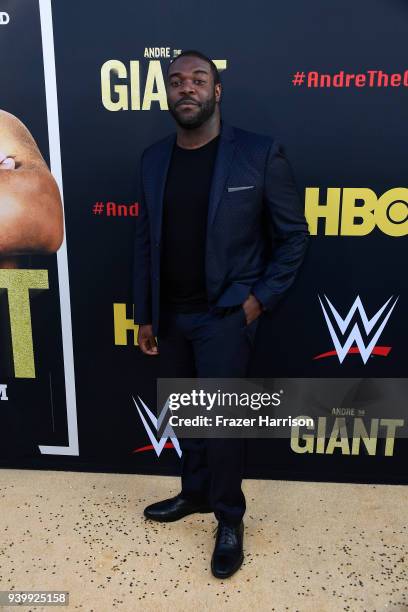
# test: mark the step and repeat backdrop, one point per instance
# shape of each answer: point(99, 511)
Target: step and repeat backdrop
point(82, 93)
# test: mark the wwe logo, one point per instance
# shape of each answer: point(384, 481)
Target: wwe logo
point(377, 322)
point(162, 427)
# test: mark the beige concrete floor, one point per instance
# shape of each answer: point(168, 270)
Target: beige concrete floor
point(308, 546)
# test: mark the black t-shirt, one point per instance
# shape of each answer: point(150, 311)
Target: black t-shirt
point(184, 227)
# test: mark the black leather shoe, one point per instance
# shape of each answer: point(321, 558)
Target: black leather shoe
point(228, 552)
point(174, 509)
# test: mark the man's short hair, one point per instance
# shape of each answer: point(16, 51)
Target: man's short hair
point(194, 53)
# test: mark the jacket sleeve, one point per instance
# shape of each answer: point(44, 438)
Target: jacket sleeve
point(141, 283)
point(286, 222)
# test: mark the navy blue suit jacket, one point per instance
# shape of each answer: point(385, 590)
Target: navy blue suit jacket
point(256, 230)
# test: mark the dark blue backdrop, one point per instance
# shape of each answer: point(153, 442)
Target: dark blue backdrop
point(345, 137)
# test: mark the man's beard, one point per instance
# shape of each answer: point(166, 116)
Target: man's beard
point(206, 110)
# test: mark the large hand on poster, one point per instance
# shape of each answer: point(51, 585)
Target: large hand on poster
point(31, 217)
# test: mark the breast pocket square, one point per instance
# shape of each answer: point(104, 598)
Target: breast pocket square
point(230, 189)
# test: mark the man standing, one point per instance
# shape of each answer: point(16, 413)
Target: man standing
point(219, 239)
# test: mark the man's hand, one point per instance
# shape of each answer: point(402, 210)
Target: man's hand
point(146, 340)
point(252, 308)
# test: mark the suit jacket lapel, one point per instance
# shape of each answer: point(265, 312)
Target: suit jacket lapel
point(225, 154)
point(160, 171)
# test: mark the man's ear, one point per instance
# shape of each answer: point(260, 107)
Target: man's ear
point(218, 90)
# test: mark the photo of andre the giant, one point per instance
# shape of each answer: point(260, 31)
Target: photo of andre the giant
point(31, 215)
point(219, 239)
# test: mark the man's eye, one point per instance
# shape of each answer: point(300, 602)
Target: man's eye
point(200, 82)
point(175, 83)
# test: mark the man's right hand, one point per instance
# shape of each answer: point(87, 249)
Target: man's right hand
point(146, 340)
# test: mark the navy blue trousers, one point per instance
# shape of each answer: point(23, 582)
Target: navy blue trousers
point(209, 345)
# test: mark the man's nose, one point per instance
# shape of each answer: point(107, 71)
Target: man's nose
point(187, 87)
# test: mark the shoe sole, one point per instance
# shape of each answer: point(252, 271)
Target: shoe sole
point(221, 576)
point(177, 518)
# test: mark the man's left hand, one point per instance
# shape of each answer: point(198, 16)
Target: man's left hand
point(252, 308)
